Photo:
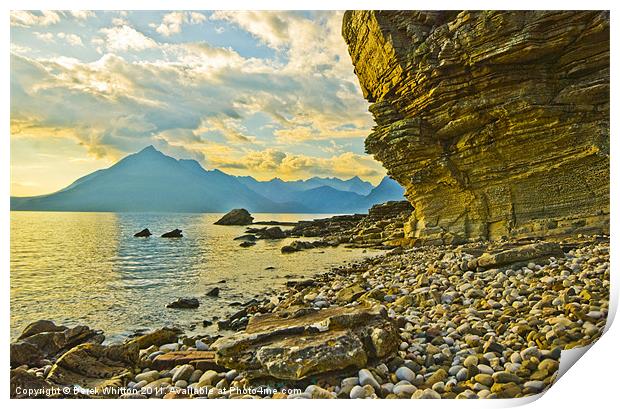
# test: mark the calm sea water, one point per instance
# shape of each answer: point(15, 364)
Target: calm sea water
point(87, 268)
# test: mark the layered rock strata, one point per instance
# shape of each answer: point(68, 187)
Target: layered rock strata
point(295, 344)
point(495, 122)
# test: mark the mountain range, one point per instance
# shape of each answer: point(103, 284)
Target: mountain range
point(150, 181)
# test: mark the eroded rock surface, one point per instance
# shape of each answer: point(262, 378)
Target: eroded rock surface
point(96, 366)
point(45, 340)
point(297, 343)
point(495, 122)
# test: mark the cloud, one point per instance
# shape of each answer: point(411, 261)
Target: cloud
point(229, 127)
point(288, 166)
point(71, 39)
point(244, 113)
point(23, 18)
point(45, 37)
point(272, 28)
point(172, 23)
point(125, 38)
point(82, 14)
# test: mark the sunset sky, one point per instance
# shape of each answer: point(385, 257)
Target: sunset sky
point(251, 93)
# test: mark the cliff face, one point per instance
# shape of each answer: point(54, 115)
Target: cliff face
point(496, 123)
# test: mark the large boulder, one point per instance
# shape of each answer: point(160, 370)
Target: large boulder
point(96, 366)
point(296, 344)
point(44, 340)
point(236, 217)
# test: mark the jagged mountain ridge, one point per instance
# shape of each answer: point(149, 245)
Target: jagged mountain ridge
point(149, 181)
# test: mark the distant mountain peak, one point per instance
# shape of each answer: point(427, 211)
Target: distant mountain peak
point(147, 149)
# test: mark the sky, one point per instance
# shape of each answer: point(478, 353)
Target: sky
point(267, 94)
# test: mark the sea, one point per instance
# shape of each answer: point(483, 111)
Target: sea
point(87, 268)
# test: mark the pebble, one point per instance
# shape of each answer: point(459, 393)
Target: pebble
point(359, 392)
point(201, 346)
point(180, 384)
point(208, 378)
point(149, 376)
point(462, 375)
point(183, 372)
point(169, 347)
point(471, 360)
point(231, 375)
point(405, 374)
point(404, 390)
point(366, 378)
point(425, 394)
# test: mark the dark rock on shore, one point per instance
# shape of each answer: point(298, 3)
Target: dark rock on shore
point(184, 303)
point(382, 227)
point(236, 217)
point(44, 340)
point(299, 245)
point(247, 244)
point(173, 234)
point(143, 233)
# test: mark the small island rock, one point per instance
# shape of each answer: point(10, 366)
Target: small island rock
point(173, 233)
point(143, 233)
point(236, 217)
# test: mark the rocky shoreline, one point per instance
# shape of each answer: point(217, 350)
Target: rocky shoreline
point(477, 320)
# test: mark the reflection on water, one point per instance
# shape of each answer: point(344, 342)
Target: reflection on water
point(87, 268)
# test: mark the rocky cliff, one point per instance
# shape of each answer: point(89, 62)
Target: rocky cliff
point(496, 123)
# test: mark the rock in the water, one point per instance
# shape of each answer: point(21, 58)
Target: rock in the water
point(213, 292)
point(470, 134)
point(173, 234)
point(143, 233)
point(295, 344)
point(247, 244)
point(236, 217)
point(96, 366)
point(184, 303)
point(246, 237)
point(272, 233)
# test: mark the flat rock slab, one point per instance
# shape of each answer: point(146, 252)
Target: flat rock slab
point(297, 343)
point(520, 256)
point(203, 360)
